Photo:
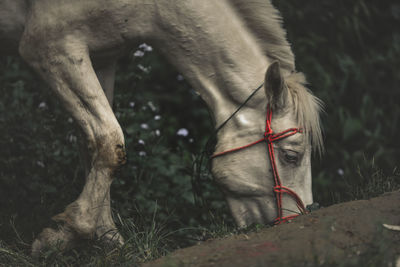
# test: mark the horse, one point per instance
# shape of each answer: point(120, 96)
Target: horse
point(225, 49)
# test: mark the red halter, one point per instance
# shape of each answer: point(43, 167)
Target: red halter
point(279, 189)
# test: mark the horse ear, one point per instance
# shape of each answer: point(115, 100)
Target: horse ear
point(275, 88)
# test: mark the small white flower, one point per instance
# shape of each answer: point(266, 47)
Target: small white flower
point(157, 117)
point(340, 171)
point(179, 77)
point(143, 68)
point(146, 47)
point(131, 104)
point(138, 53)
point(182, 132)
point(144, 126)
point(142, 153)
point(151, 105)
point(72, 138)
point(191, 140)
point(157, 132)
point(42, 105)
point(40, 164)
point(141, 142)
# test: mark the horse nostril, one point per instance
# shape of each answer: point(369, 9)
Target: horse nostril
point(313, 206)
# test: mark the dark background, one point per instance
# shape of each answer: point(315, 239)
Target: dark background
point(349, 51)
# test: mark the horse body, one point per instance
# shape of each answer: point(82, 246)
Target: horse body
point(219, 48)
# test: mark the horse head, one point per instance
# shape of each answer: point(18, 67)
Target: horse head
point(268, 178)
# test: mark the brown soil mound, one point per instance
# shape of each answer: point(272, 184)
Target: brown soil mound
point(349, 234)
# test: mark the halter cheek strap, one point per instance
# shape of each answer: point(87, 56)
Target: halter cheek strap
point(279, 189)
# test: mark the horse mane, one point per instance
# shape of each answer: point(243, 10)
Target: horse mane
point(307, 108)
point(264, 21)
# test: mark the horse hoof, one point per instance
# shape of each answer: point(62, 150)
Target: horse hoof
point(63, 238)
point(111, 238)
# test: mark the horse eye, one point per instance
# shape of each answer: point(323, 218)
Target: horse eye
point(291, 156)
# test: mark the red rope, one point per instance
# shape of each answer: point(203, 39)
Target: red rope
point(279, 189)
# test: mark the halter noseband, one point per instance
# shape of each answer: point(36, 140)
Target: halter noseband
point(279, 189)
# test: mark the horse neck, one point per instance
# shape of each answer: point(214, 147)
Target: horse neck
point(218, 54)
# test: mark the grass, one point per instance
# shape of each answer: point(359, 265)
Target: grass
point(370, 181)
point(374, 182)
point(147, 240)
point(143, 242)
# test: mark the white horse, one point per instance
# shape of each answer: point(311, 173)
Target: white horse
point(223, 48)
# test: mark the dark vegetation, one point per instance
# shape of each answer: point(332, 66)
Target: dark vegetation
point(349, 51)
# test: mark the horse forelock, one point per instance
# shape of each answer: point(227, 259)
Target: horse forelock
point(307, 108)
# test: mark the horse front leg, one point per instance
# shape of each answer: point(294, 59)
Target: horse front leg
point(65, 65)
point(106, 229)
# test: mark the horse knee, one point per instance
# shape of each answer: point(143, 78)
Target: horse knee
point(110, 149)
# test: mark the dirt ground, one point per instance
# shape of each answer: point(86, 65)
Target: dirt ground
point(346, 234)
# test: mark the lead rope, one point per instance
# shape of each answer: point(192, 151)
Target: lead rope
point(207, 154)
point(279, 189)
